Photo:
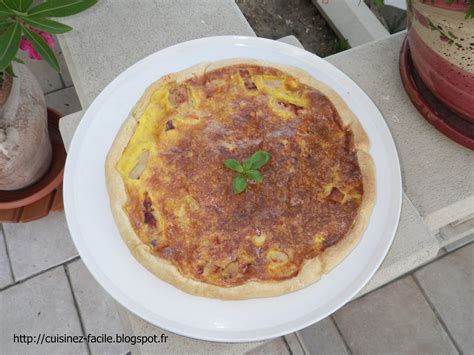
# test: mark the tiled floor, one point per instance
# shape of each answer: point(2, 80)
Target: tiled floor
point(449, 288)
point(27, 309)
point(396, 318)
point(427, 312)
point(48, 238)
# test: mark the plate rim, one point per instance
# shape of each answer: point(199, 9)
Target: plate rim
point(130, 304)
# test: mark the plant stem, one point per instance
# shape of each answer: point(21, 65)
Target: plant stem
point(18, 13)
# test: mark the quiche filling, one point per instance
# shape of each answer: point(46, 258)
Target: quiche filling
point(180, 200)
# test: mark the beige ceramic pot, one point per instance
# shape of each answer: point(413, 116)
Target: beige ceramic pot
point(25, 148)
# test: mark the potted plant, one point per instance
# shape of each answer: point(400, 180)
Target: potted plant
point(25, 147)
point(440, 37)
point(436, 64)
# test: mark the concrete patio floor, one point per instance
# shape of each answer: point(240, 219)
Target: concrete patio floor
point(429, 311)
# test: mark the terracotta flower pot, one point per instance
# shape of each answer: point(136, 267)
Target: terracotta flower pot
point(25, 148)
point(38, 199)
point(441, 42)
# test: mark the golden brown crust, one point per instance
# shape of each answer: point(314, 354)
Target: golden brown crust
point(312, 269)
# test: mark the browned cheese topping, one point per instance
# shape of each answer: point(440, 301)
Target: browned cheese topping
point(180, 199)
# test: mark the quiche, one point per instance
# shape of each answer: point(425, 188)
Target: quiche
point(172, 198)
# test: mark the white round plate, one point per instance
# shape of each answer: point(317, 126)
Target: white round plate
point(107, 257)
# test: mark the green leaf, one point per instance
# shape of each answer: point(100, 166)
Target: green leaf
point(44, 24)
point(25, 4)
point(259, 159)
point(5, 11)
point(61, 8)
point(12, 4)
point(10, 71)
point(254, 175)
point(18, 5)
point(42, 48)
point(9, 44)
point(233, 164)
point(239, 184)
point(4, 23)
point(247, 164)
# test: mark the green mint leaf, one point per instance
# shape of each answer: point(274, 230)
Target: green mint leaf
point(259, 159)
point(248, 170)
point(254, 175)
point(233, 164)
point(247, 164)
point(239, 184)
point(61, 8)
point(44, 24)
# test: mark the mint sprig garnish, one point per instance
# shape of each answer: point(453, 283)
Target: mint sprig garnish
point(233, 164)
point(239, 184)
point(248, 170)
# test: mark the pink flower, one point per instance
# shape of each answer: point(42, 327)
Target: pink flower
point(26, 45)
point(47, 37)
